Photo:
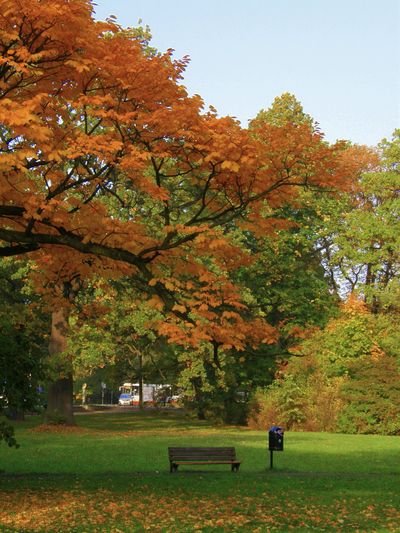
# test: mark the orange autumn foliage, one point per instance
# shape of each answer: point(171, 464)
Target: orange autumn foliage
point(107, 164)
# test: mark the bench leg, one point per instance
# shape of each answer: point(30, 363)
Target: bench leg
point(235, 468)
point(173, 467)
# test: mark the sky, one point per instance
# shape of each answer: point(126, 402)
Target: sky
point(340, 58)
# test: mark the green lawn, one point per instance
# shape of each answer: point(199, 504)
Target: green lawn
point(112, 474)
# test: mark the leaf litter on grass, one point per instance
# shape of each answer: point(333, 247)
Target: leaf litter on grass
point(107, 511)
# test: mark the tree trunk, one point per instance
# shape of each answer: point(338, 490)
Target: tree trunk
point(15, 414)
point(60, 393)
point(199, 397)
point(59, 401)
point(141, 403)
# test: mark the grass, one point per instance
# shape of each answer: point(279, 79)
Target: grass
point(111, 474)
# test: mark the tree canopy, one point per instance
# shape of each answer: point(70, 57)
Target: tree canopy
point(108, 165)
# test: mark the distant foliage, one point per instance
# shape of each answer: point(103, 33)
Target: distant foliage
point(341, 380)
point(23, 341)
point(308, 401)
point(371, 397)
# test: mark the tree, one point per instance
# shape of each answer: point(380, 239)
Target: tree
point(129, 160)
point(23, 339)
point(285, 109)
point(112, 330)
point(22, 346)
point(360, 240)
point(285, 283)
point(108, 166)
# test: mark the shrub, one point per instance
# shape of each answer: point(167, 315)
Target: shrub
point(7, 434)
point(371, 397)
point(298, 402)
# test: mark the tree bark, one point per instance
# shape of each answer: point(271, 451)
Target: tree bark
point(199, 397)
point(60, 392)
point(59, 401)
point(141, 402)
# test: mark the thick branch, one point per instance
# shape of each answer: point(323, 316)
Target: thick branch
point(8, 251)
point(72, 241)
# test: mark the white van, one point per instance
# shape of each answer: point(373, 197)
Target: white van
point(125, 399)
point(132, 389)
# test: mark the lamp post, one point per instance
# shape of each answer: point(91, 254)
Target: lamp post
point(103, 388)
point(84, 387)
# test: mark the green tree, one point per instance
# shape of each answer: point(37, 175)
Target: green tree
point(284, 109)
point(22, 346)
point(23, 340)
point(112, 329)
point(361, 238)
point(285, 283)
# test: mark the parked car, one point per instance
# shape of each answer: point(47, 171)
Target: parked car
point(173, 400)
point(125, 399)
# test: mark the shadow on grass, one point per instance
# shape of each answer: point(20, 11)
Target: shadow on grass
point(151, 420)
point(209, 484)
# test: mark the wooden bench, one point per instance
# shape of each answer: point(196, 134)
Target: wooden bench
point(202, 456)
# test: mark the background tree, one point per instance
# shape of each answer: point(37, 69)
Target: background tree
point(23, 341)
point(284, 283)
point(360, 241)
point(112, 330)
point(285, 109)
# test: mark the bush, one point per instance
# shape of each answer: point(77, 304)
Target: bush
point(298, 402)
point(344, 378)
point(365, 400)
point(264, 409)
point(7, 434)
point(371, 397)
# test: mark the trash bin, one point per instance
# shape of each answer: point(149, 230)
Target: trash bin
point(275, 443)
point(275, 439)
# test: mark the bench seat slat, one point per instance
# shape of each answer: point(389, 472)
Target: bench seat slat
point(201, 447)
point(203, 459)
point(206, 462)
point(195, 452)
point(203, 455)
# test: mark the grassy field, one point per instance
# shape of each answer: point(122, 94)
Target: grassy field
point(111, 474)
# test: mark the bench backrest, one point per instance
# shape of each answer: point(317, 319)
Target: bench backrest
point(201, 453)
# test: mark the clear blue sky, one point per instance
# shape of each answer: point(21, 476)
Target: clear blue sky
point(341, 58)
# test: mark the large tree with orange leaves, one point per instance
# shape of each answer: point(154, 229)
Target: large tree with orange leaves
point(109, 166)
